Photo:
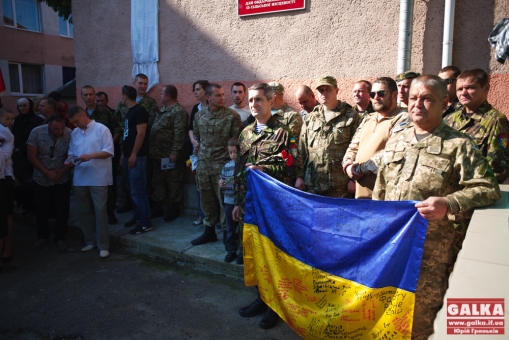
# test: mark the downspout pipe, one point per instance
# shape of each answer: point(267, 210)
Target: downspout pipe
point(406, 14)
point(448, 32)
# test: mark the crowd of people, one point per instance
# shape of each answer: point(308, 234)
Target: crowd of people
point(433, 139)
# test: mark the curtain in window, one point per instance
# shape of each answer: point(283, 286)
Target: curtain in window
point(32, 78)
point(145, 39)
point(27, 14)
point(14, 77)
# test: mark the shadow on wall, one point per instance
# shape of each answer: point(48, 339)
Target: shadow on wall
point(433, 36)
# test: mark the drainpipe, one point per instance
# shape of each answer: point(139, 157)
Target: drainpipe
point(448, 32)
point(406, 11)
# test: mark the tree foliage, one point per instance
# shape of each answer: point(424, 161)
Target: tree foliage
point(62, 7)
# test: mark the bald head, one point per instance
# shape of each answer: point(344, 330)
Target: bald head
point(306, 98)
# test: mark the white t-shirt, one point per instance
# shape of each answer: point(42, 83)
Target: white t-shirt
point(95, 138)
point(7, 146)
point(244, 112)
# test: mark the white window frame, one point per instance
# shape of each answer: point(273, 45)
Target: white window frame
point(20, 75)
point(15, 21)
point(68, 28)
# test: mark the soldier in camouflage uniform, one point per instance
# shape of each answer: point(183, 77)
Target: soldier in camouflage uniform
point(166, 140)
point(264, 138)
point(283, 113)
point(306, 99)
point(487, 126)
point(325, 136)
point(140, 83)
point(450, 74)
point(103, 115)
point(404, 80)
point(213, 127)
point(362, 103)
point(441, 167)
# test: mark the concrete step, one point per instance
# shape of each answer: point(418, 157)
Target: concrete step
point(168, 242)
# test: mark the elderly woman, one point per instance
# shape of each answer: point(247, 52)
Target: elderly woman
point(24, 123)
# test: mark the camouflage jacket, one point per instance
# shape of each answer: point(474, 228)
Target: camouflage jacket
point(148, 103)
point(489, 129)
point(287, 116)
point(213, 130)
point(322, 146)
point(368, 110)
point(168, 133)
point(455, 106)
point(272, 140)
point(444, 164)
point(103, 115)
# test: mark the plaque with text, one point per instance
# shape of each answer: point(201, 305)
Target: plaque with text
point(254, 7)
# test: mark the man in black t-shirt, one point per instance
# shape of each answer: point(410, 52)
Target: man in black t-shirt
point(134, 160)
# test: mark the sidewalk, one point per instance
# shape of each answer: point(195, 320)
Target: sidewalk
point(168, 242)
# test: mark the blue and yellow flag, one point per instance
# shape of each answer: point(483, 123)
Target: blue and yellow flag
point(333, 268)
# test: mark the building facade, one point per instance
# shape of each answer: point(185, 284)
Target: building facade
point(350, 40)
point(37, 50)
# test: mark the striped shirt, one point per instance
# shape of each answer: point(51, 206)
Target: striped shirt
point(227, 175)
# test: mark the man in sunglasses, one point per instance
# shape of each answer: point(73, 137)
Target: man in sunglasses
point(487, 126)
point(404, 80)
point(363, 155)
point(449, 75)
point(442, 169)
point(47, 148)
point(325, 136)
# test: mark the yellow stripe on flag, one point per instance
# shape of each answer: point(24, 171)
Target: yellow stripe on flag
point(318, 305)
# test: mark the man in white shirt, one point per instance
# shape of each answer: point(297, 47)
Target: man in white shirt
point(90, 150)
point(238, 95)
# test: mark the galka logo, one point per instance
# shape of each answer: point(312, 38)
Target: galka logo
point(475, 316)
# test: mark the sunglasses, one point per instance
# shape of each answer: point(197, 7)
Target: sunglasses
point(450, 80)
point(380, 94)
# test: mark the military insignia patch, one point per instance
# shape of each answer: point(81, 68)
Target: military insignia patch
point(502, 140)
point(294, 152)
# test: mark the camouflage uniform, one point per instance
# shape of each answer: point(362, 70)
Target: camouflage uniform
point(254, 147)
point(366, 112)
point(287, 116)
point(489, 129)
point(167, 137)
point(103, 115)
point(455, 106)
point(444, 164)
point(322, 146)
point(369, 141)
point(213, 130)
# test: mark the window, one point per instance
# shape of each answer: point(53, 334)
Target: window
point(22, 14)
point(68, 74)
point(66, 27)
point(26, 78)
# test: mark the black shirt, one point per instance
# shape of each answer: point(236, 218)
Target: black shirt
point(135, 116)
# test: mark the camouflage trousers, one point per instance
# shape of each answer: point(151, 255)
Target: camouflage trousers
point(211, 200)
point(167, 183)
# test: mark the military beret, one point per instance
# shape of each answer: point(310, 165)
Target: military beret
point(406, 75)
point(327, 81)
point(277, 87)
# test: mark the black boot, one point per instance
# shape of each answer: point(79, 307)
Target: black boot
point(269, 319)
point(127, 206)
point(156, 209)
point(257, 307)
point(112, 219)
point(173, 212)
point(208, 236)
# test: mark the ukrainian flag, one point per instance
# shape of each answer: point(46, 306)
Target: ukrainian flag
point(333, 268)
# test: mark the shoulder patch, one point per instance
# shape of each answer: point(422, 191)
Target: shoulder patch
point(502, 140)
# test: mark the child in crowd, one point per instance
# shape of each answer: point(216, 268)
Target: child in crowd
point(226, 184)
point(7, 185)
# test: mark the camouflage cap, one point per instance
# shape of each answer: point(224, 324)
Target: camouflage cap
point(277, 87)
point(327, 81)
point(406, 75)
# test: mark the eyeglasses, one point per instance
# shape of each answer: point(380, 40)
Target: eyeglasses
point(450, 80)
point(52, 151)
point(380, 94)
